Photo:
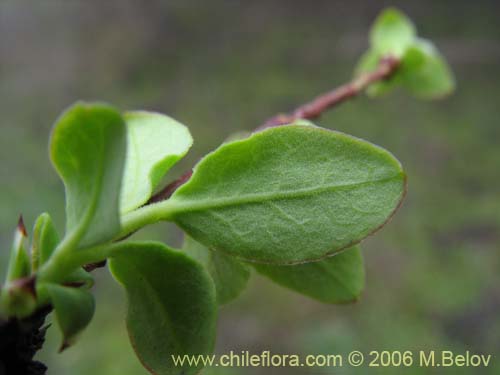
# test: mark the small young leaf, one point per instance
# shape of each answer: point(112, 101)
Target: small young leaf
point(424, 72)
point(288, 194)
point(391, 33)
point(17, 295)
point(172, 307)
point(230, 275)
point(74, 309)
point(88, 147)
point(45, 240)
point(155, 143)
point(19, 261)
point(336, 279)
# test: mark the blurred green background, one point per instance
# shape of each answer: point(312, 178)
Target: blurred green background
point(224, 66)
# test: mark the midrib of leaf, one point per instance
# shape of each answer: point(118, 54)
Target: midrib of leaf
point(180, 205)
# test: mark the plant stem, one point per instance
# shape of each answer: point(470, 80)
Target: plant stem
point(387, 66)
point(148, 214)
point(62, 263)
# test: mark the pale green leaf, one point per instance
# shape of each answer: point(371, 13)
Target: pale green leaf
point(230, 275)
point(336, 279)
point(155, 142)
point(288, 194)
point(425, 72)
point(172, 307)
point(422, 71)
point(391, 33)
point(88, 148)
point(73, 308)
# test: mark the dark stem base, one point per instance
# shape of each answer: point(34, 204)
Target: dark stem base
point(19, 342)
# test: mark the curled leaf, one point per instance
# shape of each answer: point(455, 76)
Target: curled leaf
point(155, 142)
point(73, 308)
point(87, 148)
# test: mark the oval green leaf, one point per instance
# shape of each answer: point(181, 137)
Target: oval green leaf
point(88, 146)
point(172, 307)
point(336, 279)
point(229, 275)
point(74, 309)
point(288, 194)
point(155, 142)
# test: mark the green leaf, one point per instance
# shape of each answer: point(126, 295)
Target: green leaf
point(391, 33)
point(425, 72)
point(336, 279)
point(17, 295)
point(155, 142)
point(229, 275)
point(288, 194)
point(19, 261)
point(74, 309)
point(45, 241)
point(172, 306)
point(88, 148)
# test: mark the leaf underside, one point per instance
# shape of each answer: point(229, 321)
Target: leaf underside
point(289, 194)
point(336, 279)
point(88, 147)
point(172, 305)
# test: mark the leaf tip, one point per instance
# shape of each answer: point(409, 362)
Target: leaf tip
point(65, 345)
point(21, 227)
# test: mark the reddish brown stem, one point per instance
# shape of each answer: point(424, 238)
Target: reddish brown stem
point(386, 67)
point(168, 190)
point(315, 108)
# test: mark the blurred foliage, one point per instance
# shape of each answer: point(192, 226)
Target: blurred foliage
point(225, 66)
